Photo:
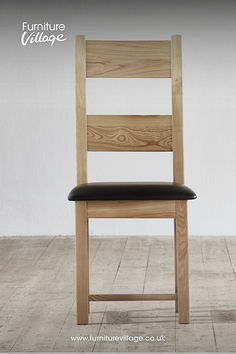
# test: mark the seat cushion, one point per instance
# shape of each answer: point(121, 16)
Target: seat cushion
point(131, 191)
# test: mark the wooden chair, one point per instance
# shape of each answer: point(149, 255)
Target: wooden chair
point(139, 59)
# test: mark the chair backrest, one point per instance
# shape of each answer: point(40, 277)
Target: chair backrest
point(133, 59)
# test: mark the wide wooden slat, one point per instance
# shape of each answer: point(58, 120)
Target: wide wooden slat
point(131, 297)
point(129, 133)
point(131, 209)
point(128, 58)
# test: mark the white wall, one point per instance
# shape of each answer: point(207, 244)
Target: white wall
point(37, 144)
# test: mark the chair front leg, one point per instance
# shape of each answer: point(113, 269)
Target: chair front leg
point(82, 261)
point(182, 260)
point(176, 268)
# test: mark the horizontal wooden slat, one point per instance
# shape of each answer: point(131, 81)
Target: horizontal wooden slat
point(129, 133)
point(132, 297)
point(131, 209)
point(128, 58)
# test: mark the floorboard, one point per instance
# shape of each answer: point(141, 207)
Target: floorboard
point(38, 308)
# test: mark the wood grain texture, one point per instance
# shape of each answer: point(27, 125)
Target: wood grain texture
point(177, 108)
point(132, 297)
point(129, 133)
point(82, 253)
point(182, 260)
point(82, 262)
point(128, 58)
point(131, 209)
point(81, 118)
point(37, 274)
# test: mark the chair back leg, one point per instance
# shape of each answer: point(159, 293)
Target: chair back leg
point(176, 270)
point(182, 261)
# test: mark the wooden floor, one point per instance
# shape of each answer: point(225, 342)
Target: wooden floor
point(37, 295)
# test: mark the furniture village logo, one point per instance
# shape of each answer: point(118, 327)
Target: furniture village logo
point(37, 33)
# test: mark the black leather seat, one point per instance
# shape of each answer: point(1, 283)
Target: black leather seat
point(131, 191)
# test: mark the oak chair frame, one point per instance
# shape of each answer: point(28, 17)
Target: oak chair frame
point(130, 59)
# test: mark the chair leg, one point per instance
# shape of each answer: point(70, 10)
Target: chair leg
point(88, 261)
point(176, 269)
point(82, 261)
point(182, 260)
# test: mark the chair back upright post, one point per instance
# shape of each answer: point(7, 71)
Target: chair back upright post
point(177, 109)
point(81, 114)
point(181, 219)
point(81, 210)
